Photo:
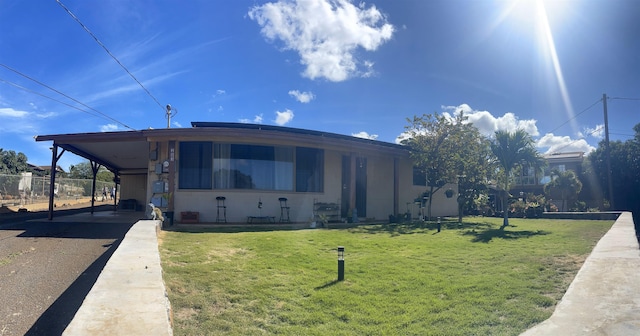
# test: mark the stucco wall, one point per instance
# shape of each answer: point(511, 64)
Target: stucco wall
point(243, 203)
point(133, 187)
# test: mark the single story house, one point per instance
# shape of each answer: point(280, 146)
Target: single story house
point(235, 172)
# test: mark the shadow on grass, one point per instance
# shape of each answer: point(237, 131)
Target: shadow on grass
point(328, 284)
point(395, 229)
point(486, 236)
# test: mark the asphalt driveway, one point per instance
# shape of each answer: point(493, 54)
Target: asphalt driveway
point(48, 267)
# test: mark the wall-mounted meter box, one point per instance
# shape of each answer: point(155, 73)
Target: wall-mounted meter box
point(159, 202)
point(159, 186)
point(158, 168)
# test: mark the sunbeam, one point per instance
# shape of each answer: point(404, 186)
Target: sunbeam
point(544, 32)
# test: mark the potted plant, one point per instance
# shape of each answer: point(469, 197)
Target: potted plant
point(449, 193)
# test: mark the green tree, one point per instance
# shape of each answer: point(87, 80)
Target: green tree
point(563, 185)
point(510, 150)
point(625, 176)
point(12, 162)
point(83, 170)
point(445, 147)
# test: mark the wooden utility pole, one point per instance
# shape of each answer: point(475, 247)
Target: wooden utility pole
point(607, 151)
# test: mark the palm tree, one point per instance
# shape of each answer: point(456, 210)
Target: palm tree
point(510, 150)
point(565, 184)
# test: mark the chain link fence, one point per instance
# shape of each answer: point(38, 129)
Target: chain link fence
point(27, 189)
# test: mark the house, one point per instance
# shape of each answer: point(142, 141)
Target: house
point(233, 172)
point(44, 170)
point(533, 181)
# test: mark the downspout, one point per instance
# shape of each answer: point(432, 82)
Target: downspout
point(396, 187)
point(352, 185)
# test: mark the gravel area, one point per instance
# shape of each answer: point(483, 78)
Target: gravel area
point(48, 267)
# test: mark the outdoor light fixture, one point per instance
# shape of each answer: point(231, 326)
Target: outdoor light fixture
point(439, 224)
point(340, 263)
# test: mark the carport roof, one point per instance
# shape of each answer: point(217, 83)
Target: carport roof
point(128, 150)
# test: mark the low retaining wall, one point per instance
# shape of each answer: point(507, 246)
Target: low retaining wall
point(609, 215)
point(129, 297)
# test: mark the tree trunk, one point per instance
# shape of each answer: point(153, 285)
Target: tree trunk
point(505, 203)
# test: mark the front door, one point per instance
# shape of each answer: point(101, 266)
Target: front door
point(360, 176)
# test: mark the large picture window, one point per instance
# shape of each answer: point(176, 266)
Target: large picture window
point(309, 169)
point(238, 166)
point(195, 165)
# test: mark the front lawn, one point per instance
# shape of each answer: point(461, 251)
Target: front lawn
point(405, 279)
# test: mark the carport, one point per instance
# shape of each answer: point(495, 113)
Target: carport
point(123, 153)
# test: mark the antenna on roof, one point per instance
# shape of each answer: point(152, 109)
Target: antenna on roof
point(171, 112)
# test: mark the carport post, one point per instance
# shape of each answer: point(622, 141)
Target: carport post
point(94, 168)
point(54, 161)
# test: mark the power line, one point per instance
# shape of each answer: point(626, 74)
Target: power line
point(63, 103)
point(110, 54)
point(575, 116)
point(623, 98)
point(60, 93)
point(597, 129)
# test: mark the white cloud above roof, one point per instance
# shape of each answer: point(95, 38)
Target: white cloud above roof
point(325, 34)
point(303, 97)
point(256, 120)
point(365, 135)
point(109, 128)
point(284, 117)
point(563, 144)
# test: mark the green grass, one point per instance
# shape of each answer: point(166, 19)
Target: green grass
point(472, 279)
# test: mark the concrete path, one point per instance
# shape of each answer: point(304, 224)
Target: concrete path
point(604, 297)
point(129, 297)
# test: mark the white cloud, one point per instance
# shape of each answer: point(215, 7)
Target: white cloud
point(488, 124)
point(596, 132)
point(109, 128)
point(325, 33)
point(284, 117)
point(365, 135)
point(11, 113)
point(303, 97)
point(563, 144)
point(219, 92)
point(256, 120)
point(46, 115)
point(177, 124)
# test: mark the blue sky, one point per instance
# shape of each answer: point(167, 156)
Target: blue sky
point(355, 68)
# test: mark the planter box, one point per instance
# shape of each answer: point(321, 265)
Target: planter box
point(189, 217)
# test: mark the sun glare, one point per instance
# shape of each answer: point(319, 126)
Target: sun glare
point(528, 14)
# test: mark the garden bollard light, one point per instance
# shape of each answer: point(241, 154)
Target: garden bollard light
point(340, 263)
point(439, 224)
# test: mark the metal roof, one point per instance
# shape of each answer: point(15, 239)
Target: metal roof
point(127, 151)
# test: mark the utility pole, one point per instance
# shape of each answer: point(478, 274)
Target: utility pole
point(607, 151)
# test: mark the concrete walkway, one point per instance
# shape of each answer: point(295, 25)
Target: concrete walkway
point(129, 297)
point(604, 297)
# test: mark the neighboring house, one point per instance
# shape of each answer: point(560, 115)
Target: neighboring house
point(44, 170)
point(252, 167)
point(533, 181)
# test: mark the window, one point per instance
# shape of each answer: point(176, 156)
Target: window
point(195, 165)
point(419, 177)
point(238, 166)
point(309, 169)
